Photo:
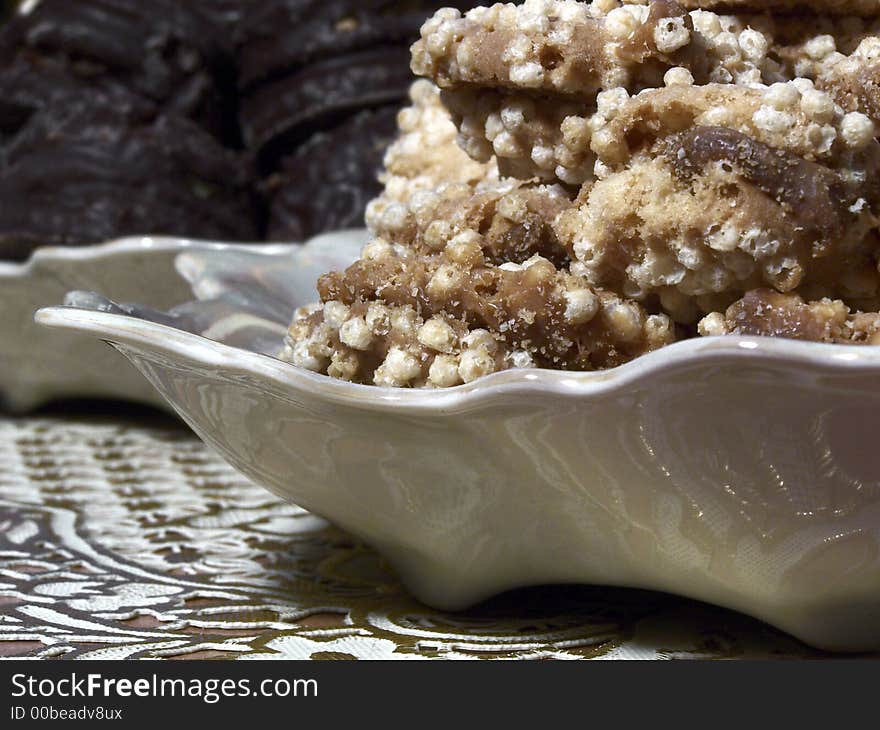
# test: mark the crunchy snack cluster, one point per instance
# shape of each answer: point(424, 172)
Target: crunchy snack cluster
point(423, 158)
point(828, 7)
point(582, 183)
point(772, 314)
point(398, 318)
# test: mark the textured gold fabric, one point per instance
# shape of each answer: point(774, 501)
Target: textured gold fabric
point(126, 537)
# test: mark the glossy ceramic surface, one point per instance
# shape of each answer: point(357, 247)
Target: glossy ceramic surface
point(739, 471)
point(37, 366)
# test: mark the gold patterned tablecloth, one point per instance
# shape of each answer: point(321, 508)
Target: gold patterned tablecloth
point(123, 537)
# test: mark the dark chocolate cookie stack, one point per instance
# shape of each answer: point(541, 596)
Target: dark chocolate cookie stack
point(224, 119)
point(226, 14)
point(7, 8)
point(320, 85)
point(116, 119)
point(85, 171)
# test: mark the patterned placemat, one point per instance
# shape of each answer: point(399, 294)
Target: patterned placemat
point(123, 537)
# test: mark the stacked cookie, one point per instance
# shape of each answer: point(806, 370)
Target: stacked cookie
point(219, 119)
point(114, 121)
point(627, 174)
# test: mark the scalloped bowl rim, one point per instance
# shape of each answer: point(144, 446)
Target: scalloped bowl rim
point(142, 244)
point(128, 330)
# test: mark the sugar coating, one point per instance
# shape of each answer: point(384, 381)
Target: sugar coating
point(765, 312)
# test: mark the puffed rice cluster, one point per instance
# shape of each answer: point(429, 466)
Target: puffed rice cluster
point(399, 318)
point(576, 184)
point(424, 156)
point(867, 8)
point(772, 314)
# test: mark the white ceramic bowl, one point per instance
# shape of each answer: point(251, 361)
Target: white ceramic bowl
point(37, 366)
point(740, 471)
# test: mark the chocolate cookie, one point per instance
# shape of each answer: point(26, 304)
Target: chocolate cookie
point(167, 52)
point(227, 14)
point(304, 67)
point(326, 184)
point(86, 171)
point(278, 37)
point(32, 82)
point(7, 8)
point(280, 114)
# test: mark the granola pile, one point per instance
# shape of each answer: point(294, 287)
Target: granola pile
point(576, 184)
